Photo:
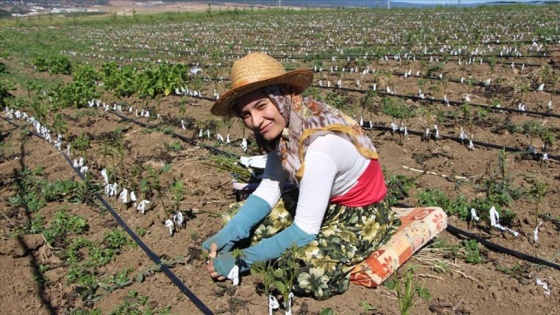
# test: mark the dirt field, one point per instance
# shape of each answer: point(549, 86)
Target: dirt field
point(128, 7)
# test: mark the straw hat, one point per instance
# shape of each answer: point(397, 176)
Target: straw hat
point(255, 71)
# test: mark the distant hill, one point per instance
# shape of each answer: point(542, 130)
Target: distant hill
point(55, 3)
point(360, 3)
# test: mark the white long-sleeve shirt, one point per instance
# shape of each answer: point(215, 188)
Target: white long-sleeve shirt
point(332, 167)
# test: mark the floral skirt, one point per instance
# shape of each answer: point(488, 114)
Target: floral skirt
point(348, 236)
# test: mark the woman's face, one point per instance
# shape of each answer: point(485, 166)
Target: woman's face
point(260, 115)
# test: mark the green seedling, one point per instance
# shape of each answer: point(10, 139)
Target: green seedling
point(260, 270)
point(398, 187)
point(177, 190)
point(367, 308)
point(407, 291)
point(59, 125)
point(134, 303)
point(81, 143)
point(327, 311)
point(116, 239)
point(538, 192)
point(63, 225)
point(117, 281)
point(174, 146)
point(150, 185)
point(499, 187)
point(472, 252)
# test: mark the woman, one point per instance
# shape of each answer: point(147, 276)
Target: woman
point(340, 217)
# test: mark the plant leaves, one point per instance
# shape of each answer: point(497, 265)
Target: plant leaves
point(280, 286)
point(327, 311)
point(423, 293)
point(165, 168)
point(390, 284)
point(140, 277)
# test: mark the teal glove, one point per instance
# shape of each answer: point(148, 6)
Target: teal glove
point(252, 212)
point(267, 249)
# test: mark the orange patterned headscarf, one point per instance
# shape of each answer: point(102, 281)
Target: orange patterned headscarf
point(306, 119)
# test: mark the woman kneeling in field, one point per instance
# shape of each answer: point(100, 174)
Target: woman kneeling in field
point(335, 215)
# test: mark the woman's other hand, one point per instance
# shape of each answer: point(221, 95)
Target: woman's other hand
point(210, 263)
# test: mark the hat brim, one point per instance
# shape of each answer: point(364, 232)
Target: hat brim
point(298, 79)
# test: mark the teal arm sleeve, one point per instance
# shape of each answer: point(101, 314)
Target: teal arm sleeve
point(252, 212)
point(265, 250)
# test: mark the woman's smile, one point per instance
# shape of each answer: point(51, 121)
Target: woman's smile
point(263, 129)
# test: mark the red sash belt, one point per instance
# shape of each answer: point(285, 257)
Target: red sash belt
point(370, 188)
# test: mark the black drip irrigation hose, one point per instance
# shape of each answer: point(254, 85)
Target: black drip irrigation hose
point(211, 99)
point(155, 258)
point(465, 81)
point(417, 55)
point(434, 78)
point(501, 249)
point(411, 97)
point(178, 283)
point(185, 139)
point(537, 155)
point(435, 100)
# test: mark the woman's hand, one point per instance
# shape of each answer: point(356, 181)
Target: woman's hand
point(210, 263)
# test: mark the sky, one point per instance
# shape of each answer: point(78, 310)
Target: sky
point(442, 2)
point(450, 2)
